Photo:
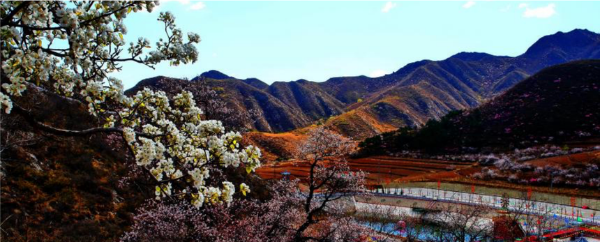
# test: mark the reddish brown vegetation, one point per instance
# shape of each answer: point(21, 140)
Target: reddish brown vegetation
point(572, 159)
point(579, 160)
point(380, 169)
point(384, 169)
point(280, 146)
point(57, 188)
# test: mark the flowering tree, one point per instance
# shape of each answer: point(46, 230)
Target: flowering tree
point(70, 49)
point(207, 97)
point(329, 180)
point(244, 220)
point(385, 220)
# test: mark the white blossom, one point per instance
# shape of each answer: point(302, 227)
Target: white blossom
point(5, 103)
point(244, 188)
point(74, 58)
point(227, 192)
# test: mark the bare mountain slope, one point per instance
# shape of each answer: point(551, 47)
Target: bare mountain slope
point(360, 106)
point(430, 89)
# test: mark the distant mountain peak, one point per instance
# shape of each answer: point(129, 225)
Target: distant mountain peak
point(576, 38)
point(214, 74)
point(471, 56)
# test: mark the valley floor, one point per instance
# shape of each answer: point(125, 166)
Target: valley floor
point(387, 171)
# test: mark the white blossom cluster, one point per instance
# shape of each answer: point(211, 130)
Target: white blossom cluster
point(180, 146)
point(71, 48)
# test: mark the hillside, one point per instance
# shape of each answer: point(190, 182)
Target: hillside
point(430, 89)
point(63, 188)
point(281, 106)
point(361, 107)
point(59, 186)
point(559, 104)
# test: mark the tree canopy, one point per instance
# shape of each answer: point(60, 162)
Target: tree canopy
point(70, 49)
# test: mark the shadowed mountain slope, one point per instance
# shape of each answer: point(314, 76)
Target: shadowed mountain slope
point(557, 105)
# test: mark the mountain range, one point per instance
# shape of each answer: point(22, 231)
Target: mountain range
point(558, 105)
point(361, 106)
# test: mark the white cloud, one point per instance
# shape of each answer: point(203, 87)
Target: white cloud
point(195, 6)
point(388, 6)
point(378, 73)
point(198, 6)
point(184, 2)
point(469, 4)
point(541, 12)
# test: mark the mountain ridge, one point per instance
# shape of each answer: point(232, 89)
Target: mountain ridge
point(557, 105)
point(360, 106)
point(467, 79)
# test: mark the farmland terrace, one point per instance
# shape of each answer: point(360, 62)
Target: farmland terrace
point(380, 169)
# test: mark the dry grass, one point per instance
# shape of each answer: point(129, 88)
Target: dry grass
point(385, 170)
point(381, 169)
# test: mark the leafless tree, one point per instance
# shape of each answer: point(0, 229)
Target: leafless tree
point(464, 222)
point(381, 219)
point(414, 226)
point(329, 180)
point(536, 218)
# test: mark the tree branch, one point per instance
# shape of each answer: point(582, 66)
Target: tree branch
point(67, 132)
point(7, 19)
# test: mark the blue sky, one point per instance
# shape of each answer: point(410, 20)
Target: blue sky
point(286, 41)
